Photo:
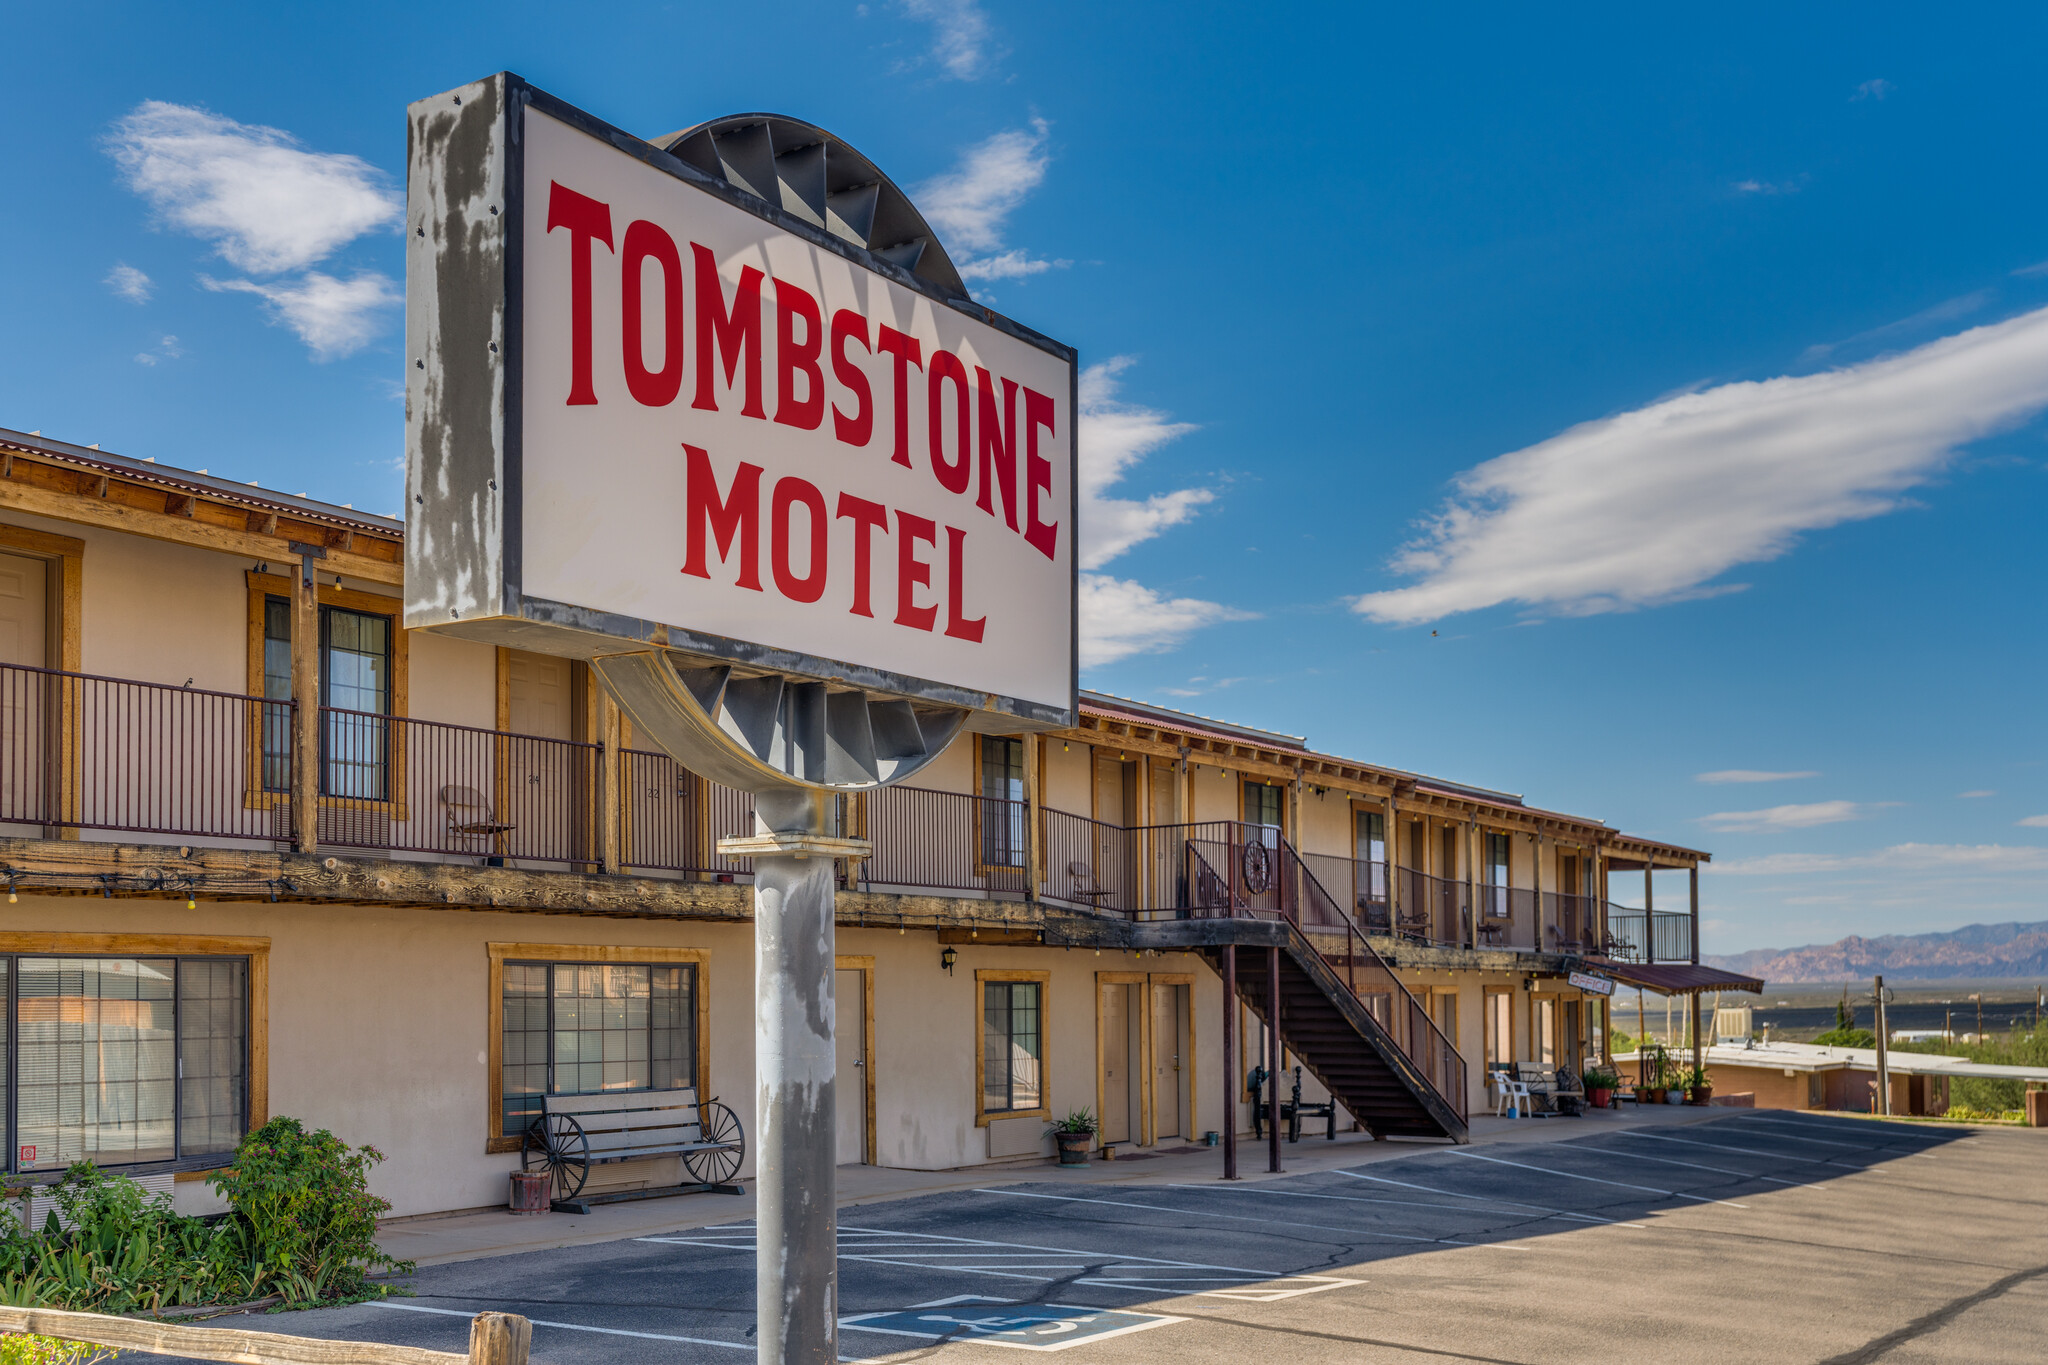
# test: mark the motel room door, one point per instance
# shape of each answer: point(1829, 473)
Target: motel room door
point(1173, 1060)
point(537, 789)
point(850, 1043)
point(23, 641)
point(1120, 1056)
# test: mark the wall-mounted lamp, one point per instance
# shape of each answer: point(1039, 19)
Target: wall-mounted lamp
point(947, 959)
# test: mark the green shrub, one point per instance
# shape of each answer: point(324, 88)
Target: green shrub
point(1846, 1037)
point(31, 1350)
point(304, 1222)
point(302, 1226)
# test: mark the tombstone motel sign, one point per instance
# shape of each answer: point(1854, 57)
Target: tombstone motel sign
point(716, 416)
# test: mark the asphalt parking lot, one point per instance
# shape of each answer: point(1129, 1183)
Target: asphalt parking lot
point(1758, 1237)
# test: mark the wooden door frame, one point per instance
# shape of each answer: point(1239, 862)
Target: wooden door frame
point(1137, 1138)
point(1194, 1072)
point(864, 963)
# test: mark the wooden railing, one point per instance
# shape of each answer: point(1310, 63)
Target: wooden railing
point(494, 1339)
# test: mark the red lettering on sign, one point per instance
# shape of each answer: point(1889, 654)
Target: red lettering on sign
point(867, 517)
point(734, 335)
point(913, 573)
point(587, 221)
point(998, 444)
point(1038, 412)
point(738, 514)
point(788, 491)
point(793, 357)
point(645, 242)
point(957, 624)
point(955, 475)
point(854, 430)
point(908, 351)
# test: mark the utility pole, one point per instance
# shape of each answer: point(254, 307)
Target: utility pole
point(1884, 1079)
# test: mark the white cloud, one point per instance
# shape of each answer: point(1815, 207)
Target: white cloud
point(1015, 264)
point(1645, 507)
point(1872, 90)
point(1769, 187)
point(2035, 822)
point(971, 204)
point(1785, 817)
point(1963, 859)
point(334, 317)
point(1974, 795)
point(130, 283)
point(1727, 775)
point(265, 202)
point(1120, 618)
point(167, 349)
point(1114, 436)
point(960, 35)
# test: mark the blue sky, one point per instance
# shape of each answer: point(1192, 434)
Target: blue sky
point(1641, 414)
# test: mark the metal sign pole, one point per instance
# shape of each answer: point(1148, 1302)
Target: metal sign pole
point(796, 1293)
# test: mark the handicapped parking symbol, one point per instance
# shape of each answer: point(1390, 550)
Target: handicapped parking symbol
point(1033, 1327)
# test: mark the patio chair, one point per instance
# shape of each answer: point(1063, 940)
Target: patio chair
point(1511, 1097)
point(469, 812)
point(1086, 888)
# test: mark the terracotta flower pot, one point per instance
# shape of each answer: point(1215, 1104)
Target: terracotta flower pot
point(1074, 1147)
point(1652, 1094)
point(1600, 1099)
point(1702, 1093)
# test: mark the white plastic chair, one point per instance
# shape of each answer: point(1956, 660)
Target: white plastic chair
point(1511, 1097)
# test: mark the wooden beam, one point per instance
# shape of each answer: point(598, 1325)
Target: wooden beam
point(254, 1348)
point(306, 699)
point(157, 525)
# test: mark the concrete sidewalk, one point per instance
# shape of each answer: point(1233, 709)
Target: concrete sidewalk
point(470, 1236)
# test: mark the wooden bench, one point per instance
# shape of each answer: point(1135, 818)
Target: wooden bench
point(576, 1132)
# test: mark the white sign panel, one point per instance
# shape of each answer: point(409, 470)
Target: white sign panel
point(745, 435)
point(1586, 981)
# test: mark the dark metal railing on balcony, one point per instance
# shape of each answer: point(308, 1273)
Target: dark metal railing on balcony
point(945, 841)
point(1570, 923)
point(424, 786)
point(1636, 935)
point(671, 819)
point(1359, 883)
point(85, 752)
point(1433, 910)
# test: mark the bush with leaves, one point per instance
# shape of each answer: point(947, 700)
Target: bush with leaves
point(304, 1223)
point(34, 1350)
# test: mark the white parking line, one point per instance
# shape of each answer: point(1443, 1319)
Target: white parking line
point(573, 1326)
point(1017, 1261)
point(1724, 1147)
point(1719, 1170)
point(1243, 1218)
point(1482, 1198)
point(1787, 1137)
point(1619, 1184)
point(1353, 1199)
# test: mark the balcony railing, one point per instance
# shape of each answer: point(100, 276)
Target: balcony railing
point(671, 819)
point(928, 840)
point(85, 752)
point(1649, 936)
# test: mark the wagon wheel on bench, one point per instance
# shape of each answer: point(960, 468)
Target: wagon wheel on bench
point(717, 1166)
point(556, 1143)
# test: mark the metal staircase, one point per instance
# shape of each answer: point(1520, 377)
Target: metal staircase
point(1340, 1010)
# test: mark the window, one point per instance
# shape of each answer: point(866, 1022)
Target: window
point(1496, 875)
point(277, 686)
point(1500, 1034)
point(125, 1060)
point(1371, 849)
point(587, 1028)
point(1012, 1043)
point(1545, 1021)
point(1262, 808)
point(1002, 801)
point(355, 677)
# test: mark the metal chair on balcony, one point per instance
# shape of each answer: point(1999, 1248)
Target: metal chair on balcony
point(1620, 949)
point(1086, 888)
point(469, 813)
point(1413, 924)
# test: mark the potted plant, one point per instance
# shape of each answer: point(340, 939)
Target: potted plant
point(1075, 1134)
point(1699, 1085)
point(1601, 1083)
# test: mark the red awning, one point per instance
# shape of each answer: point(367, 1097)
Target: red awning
point(1674, 978)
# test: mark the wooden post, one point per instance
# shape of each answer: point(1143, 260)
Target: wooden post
point(306, 696)
point(1233, 1084)
point(1273, 1059)
point(611, 785)
point(1472, 911)
point(1536, 880)
point(499, 1339)
point(1649, 913)
point(1034, 816)
point(1393, 832)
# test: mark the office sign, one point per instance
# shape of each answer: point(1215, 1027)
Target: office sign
point(1586, 981)
point(649, 410)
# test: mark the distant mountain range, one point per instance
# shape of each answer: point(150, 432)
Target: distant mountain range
point(1979, 950)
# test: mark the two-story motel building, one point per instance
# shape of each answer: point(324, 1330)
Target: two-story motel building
point(506, 896)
